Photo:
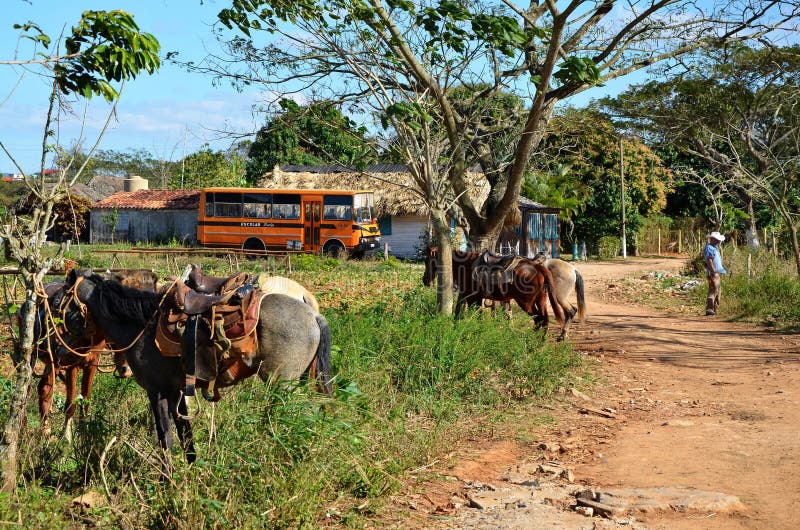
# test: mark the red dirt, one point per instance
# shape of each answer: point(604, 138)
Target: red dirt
point(698, 402)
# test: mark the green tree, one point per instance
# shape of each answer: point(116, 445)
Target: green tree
point(737, 113)
point(156, 168)
point(544, 51)
point(592, 154)
point(102, 49)
point(560, 187)
point(313, 134)
point(206, 167)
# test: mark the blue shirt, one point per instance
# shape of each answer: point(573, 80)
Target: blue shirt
point(712, 251)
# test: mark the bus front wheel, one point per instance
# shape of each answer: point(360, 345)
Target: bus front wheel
point(333, 249)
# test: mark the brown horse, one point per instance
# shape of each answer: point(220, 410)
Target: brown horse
point(479, 276)
point(65, 354)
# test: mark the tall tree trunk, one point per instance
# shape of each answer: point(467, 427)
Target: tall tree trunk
point(484, 241)
point(444, 274)
point(24, 359)
point(485, 226)
point(795, 245)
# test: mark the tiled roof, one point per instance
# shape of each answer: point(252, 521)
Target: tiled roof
point(152, 200)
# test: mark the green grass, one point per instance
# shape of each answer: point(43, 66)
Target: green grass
point(285, 456)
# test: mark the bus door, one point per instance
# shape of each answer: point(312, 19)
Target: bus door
point(311, 220)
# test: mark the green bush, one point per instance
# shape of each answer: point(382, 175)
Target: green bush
point(312, 262)
point(608, 247)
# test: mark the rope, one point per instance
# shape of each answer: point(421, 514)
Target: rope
point(55, 327)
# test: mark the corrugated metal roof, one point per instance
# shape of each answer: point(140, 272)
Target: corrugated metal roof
point(524, 201)
point(152, 200)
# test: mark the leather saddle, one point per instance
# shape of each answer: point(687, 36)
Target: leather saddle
point(203, 283)
point(211, 332)
point(491, 272)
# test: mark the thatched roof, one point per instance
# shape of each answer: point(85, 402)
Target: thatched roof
point(392, 184)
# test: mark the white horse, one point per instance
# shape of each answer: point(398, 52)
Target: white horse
point(566, 281)
point(281, 285)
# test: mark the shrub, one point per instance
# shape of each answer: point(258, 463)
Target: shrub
point(311, 262)
point(608, 247)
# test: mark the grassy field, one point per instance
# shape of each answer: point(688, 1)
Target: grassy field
point(283, 456)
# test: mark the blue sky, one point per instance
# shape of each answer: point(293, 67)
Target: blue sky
point(155, 112)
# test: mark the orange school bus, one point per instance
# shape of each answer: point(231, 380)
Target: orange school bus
point(327, 221)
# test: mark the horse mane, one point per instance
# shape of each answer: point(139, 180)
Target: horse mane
point(124, 303)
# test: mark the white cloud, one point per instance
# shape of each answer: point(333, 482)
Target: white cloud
point(150, 124)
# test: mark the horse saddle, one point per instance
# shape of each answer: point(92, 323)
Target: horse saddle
point(208, 330)
point(203, 283)
point(491, 271)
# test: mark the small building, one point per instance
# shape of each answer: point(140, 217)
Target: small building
point(148, 216)
point(402, 214)
point(538, 231)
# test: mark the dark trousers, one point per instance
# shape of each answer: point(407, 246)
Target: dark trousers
point(714, 290)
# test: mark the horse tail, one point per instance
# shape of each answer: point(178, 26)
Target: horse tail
point(550, 286)
point(323, 367)
point(581, 296)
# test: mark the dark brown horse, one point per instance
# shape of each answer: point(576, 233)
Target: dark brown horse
point(479, 276)
point(65, 355)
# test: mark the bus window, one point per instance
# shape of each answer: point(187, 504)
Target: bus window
point(286, 206)
point(363, 207)
point(258, 205)
point(210, 204)
point(228, 204)
point(338, 207)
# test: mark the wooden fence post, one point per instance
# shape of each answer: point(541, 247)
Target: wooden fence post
point(659, 241)
point(680, 241)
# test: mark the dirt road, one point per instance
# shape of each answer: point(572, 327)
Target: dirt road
point(694, 424)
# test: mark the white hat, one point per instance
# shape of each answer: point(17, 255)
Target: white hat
point(717, 236)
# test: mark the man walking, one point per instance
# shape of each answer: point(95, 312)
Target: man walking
point(714, 268)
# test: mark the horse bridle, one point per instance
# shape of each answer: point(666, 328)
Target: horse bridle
point(86, 315)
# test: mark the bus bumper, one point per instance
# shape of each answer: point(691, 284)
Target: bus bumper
point(366, 244)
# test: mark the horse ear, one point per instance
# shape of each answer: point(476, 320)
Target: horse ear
point(72, 275)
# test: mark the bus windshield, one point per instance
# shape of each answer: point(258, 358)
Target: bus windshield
point(363, 207)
